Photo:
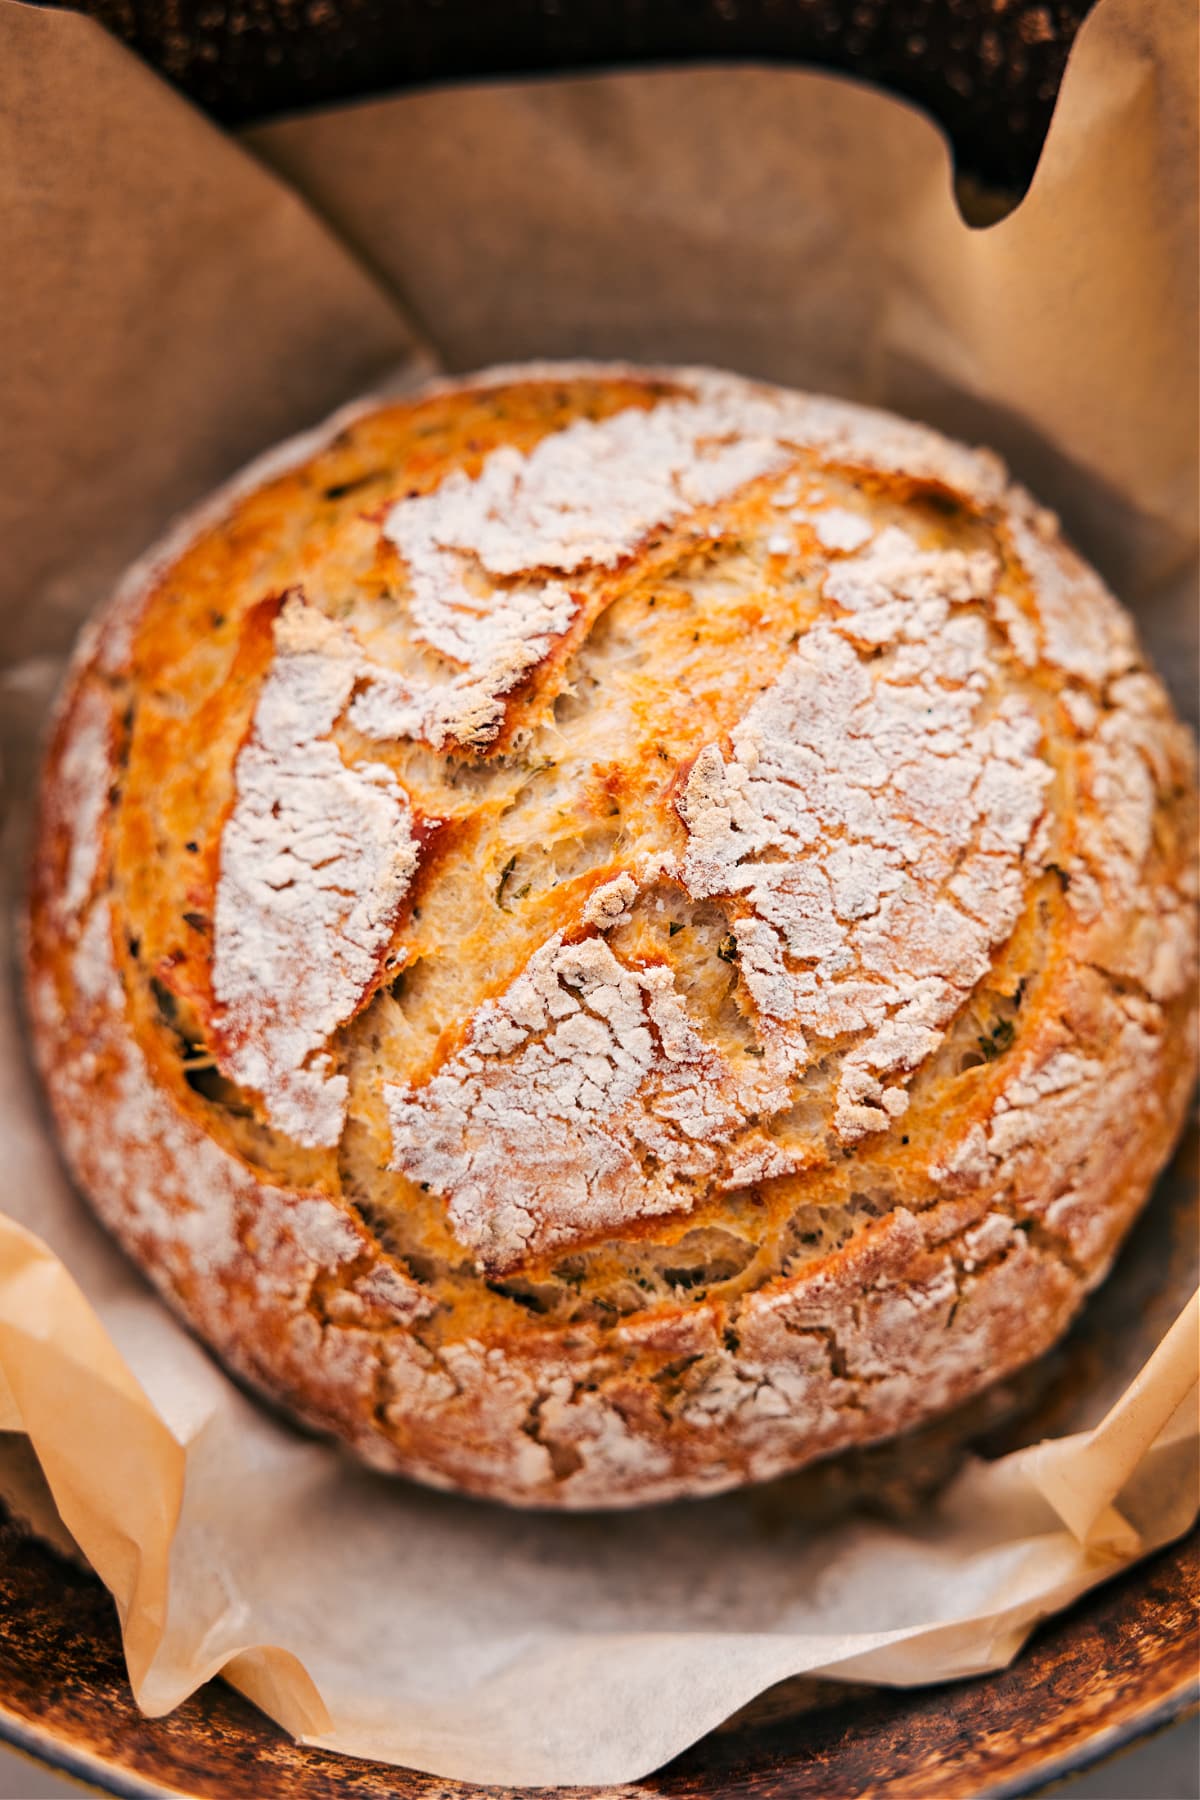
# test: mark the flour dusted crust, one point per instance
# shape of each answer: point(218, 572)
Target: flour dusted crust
point(603, 933)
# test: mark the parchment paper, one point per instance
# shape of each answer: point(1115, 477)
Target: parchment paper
point(177, 304)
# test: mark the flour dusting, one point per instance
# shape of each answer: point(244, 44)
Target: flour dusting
point(583, 498)
point(539, 1130)
point(874, 818)
point(316, 858)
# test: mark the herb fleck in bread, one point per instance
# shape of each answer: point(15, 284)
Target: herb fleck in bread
point(604, 933)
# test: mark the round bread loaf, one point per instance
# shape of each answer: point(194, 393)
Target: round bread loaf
point(603, 933)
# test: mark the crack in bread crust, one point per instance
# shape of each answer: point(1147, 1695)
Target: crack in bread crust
point(755, 1042)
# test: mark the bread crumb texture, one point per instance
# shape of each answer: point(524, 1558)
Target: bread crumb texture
point(604, 933)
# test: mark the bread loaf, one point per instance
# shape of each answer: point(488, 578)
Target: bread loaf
point(603, 933)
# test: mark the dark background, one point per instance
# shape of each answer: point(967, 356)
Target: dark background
point(988, 70)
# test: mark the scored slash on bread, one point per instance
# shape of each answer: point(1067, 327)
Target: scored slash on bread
point(603, 933)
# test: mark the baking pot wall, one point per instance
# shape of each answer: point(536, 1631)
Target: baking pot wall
point(988, 70)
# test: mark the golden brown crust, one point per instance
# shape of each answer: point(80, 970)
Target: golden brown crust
point(890, 1021)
